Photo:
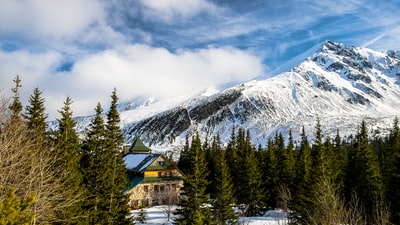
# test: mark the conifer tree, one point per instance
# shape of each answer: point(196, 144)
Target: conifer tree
point(232, 158)
point(36, 116)
point(68, 158)
point(302, 196)
point(364, 176)
point(289, 171)
point(210, 152)
point(184, 157)
point(392, 171)
point(224, 200)
point(16, 105)
point(16, 211)
point(239, 169)
point(270, 175)
point(252, 190)
point(322, 161)
point(340, 152)
point(95, 170)
point(318, 155)
point(118, 180)
point(193, 210)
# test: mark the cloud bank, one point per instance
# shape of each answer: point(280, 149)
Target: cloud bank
point(170, 48)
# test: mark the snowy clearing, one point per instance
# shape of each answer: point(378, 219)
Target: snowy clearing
point(157, 216)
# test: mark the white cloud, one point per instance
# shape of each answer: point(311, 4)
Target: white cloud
point(34, 69)
point(57, 19)
point(146, 71)
point(170, 10)
point(135, 70)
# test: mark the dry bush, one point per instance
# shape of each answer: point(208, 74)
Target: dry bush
point(332, 210)
point(28, 166)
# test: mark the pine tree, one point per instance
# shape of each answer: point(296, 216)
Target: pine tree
point(184, 157)
point(323, 157)
point(95, 170)
point(391, 171)
point(302, 194)
point(252, 189)
point(224, 200)
point(36, 116)
point(363, 175)
point(193, 210)
point(340, 152)
point(239, 168)
point(270, 175)
point(118, 179)
point(289, 163)
point(16, 105)
point(232, 159)
point(68, 158)
point(212, 152)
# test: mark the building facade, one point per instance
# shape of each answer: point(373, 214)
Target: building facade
point(153, 178)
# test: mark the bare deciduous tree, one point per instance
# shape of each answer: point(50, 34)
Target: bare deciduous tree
point(28, 166)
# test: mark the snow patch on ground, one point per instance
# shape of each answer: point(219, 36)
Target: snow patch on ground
point(157, 216)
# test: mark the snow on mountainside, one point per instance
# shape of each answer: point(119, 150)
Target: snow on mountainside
point(340, 85)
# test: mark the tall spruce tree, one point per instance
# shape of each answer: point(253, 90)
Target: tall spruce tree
point(68, 158)
point(95, 169)
point(193, 209)
point(224, 199)
point(118, 180)
point(212, 151)
point(36, 116)
point(290, 163)
point(252, 188)
point(322, 162)
point(270, 175)
point(391, 171)
point(232, 158)
point(364, 177)
point(302, 197)
point(239, 169)
point(340, 153)
point(184, 157)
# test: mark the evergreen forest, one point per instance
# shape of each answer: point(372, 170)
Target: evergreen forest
point(323, 181)
point(55, 176)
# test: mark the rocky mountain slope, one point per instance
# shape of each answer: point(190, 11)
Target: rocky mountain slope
point(340, 85)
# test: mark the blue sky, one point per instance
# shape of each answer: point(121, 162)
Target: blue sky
point(171, 48)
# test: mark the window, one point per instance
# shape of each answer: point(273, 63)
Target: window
point(159, 174)
point(146, 188)
point(156, 188)
point(161, 187)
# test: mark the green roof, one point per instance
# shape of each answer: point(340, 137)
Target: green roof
point(138, 146)
point(133, 182)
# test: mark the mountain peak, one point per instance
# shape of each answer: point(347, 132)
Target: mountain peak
point(339, 84)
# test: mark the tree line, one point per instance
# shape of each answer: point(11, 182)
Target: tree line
point(326, 181)
point(52, 176)
point(57, 177)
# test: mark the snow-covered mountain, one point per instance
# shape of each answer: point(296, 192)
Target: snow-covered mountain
point(341, 85)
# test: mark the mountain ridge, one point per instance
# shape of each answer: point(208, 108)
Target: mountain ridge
point(338, 84)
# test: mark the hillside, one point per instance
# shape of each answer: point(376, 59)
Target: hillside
point(341, 85)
